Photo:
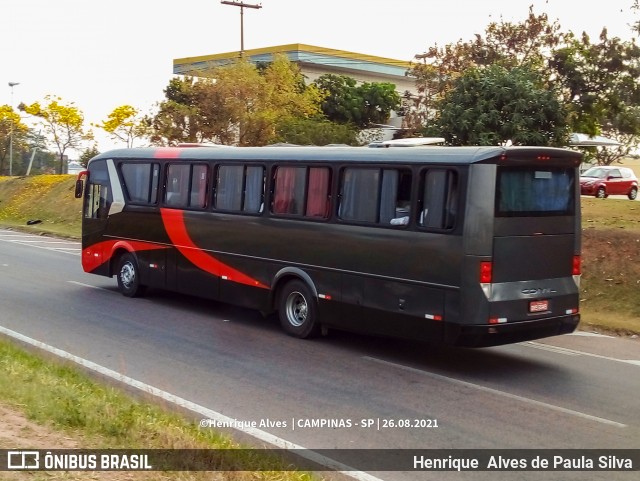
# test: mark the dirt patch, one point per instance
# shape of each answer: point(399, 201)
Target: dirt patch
point(18, 432)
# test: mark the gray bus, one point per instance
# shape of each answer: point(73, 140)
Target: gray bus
point(470, 246)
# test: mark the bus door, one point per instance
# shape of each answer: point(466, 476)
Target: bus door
point(97, 202)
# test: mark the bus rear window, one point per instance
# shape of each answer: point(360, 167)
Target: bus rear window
point(535, 191)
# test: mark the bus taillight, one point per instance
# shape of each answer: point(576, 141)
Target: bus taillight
point(486, 270)
point(577, 267)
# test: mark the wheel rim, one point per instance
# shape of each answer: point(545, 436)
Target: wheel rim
point(601, 193)
point(296, 309)
point(127, 275)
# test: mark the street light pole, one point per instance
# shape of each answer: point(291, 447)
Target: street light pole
point(11, 84)
point(242, 6)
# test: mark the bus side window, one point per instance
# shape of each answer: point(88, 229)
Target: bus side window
point(439, 199)
point(289, 189)
point(254, 189)
point(240, 188)
point(177, 186)
point(141, 182)
point(198, 188)
point(318, 193)
point(376, 195)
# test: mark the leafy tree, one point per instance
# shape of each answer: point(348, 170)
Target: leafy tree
point(62, 123)
point(315, 132)
point(88, 154)
point(11, 126)
point(504, 43)
point(178, 119)
point(124, 123)
point(596, 83)
point(599, 85)
point(494, 105)
point(361, 105)
point(240, 104)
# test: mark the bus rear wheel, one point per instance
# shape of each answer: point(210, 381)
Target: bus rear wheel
point(128, 275)
point(298, 310)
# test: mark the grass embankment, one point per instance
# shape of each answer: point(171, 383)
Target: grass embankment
point(45, 198)
point(95, 416)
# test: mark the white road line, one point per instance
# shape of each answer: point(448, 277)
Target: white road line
point(499, 393)
point(16, 234)
point(193, 407)
point(43, 241)
point(76, 251)
point(547, 347)
point(571, 352)
point(82, 284)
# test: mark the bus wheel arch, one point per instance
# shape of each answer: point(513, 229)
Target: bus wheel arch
point(127, 272)
point(296, 300)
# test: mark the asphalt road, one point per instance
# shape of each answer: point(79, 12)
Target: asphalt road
point(577, 391)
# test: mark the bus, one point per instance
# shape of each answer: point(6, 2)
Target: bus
point(466, 246)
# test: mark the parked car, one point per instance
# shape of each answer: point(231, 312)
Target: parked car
point(603, 181)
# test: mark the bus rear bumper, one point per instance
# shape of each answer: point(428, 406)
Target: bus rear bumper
point(496, 334)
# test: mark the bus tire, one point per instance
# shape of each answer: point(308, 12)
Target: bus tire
point(128, 275)
point(298, 310)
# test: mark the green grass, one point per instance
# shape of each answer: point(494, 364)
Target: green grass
point(63, 398)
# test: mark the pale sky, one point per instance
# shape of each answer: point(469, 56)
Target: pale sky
point(103, 54)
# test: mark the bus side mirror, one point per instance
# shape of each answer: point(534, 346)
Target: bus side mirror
point(79, 188)
point(80, 183)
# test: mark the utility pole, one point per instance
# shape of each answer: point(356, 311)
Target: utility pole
point(242, 6)
point(11, 84)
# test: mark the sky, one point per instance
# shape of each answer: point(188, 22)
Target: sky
point(99, 55)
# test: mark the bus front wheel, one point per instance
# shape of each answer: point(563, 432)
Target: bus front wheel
point(298, 310)
point(129, 276)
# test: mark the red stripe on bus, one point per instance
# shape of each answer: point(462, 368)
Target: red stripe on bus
point(174, 225)
point(96, 255)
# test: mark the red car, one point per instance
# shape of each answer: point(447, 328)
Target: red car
point(603, 181)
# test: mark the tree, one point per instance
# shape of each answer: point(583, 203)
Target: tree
point(361, 105)
point(600, 86)
point(62, 123)
point(504, 43)
point(124, 123)
point(88, 154)
point(315, 132)
point(11, 130)
point(239, 104)
point(496, 105)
